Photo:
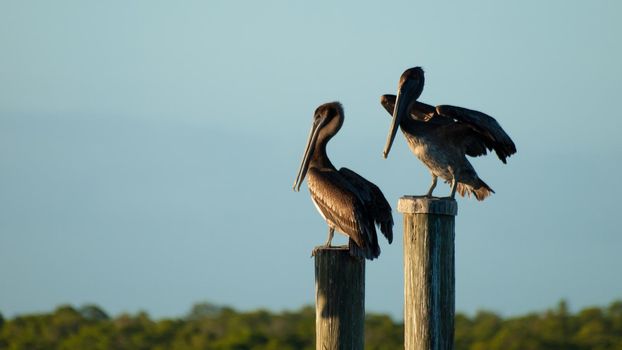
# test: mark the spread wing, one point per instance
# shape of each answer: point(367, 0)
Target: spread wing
point(463, 135)
point(476, 131)
point(419, 112)
point(341, 204)
point(374, 201)
point(487, 128)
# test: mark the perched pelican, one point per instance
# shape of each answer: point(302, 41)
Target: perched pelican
point(442, 136)
point(349, 203)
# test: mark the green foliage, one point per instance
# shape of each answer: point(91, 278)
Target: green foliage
point(212, 327)
point(93, 313)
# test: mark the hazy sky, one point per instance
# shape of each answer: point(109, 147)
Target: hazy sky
point(148, 148)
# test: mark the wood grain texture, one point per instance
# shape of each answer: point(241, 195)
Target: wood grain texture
point(425, 205)
point(339, 300)
point(429, 277)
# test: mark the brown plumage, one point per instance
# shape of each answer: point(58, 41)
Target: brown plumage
point(348, 202)
point(442, 136)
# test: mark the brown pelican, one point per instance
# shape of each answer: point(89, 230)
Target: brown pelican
point(442, 136)
point(349, 203)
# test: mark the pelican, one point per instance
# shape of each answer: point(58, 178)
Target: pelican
point(349, 203)
point(442, 136)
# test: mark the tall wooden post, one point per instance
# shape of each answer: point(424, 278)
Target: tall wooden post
point(339, 300)
point(429, 272)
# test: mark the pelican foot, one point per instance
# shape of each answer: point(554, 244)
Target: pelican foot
point(315, 250)
point(320, 247)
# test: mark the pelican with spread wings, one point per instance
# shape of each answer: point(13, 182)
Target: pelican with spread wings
point(442, 136)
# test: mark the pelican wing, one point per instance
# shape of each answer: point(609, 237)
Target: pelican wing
point(419, 111)
point(485, 125)
point(374, 200)
point(341, 204)
point(463, 135)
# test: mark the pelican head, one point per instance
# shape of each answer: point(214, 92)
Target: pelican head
point(408, 90)
point(327, 120)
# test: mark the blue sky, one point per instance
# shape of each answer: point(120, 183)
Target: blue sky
point(148, 148)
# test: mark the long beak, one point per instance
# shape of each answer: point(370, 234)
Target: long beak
point(306, 158)
point(405, 95)
point(400, 107)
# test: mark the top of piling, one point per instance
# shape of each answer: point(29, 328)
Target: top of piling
point(427, 205)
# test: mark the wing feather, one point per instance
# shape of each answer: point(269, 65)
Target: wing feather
point(494, 136)
point(341, 204)
point(374, 200)
point(484, 132)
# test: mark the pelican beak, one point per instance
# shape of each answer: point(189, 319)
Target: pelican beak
point(306, 158)
point(407, 93)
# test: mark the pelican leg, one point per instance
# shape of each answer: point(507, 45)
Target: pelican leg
point(432, 186)
point(331, 234)
point(454, 186)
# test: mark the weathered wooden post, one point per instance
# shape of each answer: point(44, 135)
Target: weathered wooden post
point(429, 272)
point(339, 300)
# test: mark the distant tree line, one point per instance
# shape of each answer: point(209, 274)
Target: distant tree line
point(209, 326)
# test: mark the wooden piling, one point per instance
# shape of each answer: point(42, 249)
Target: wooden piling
point(429, 272)
point(339, 300)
